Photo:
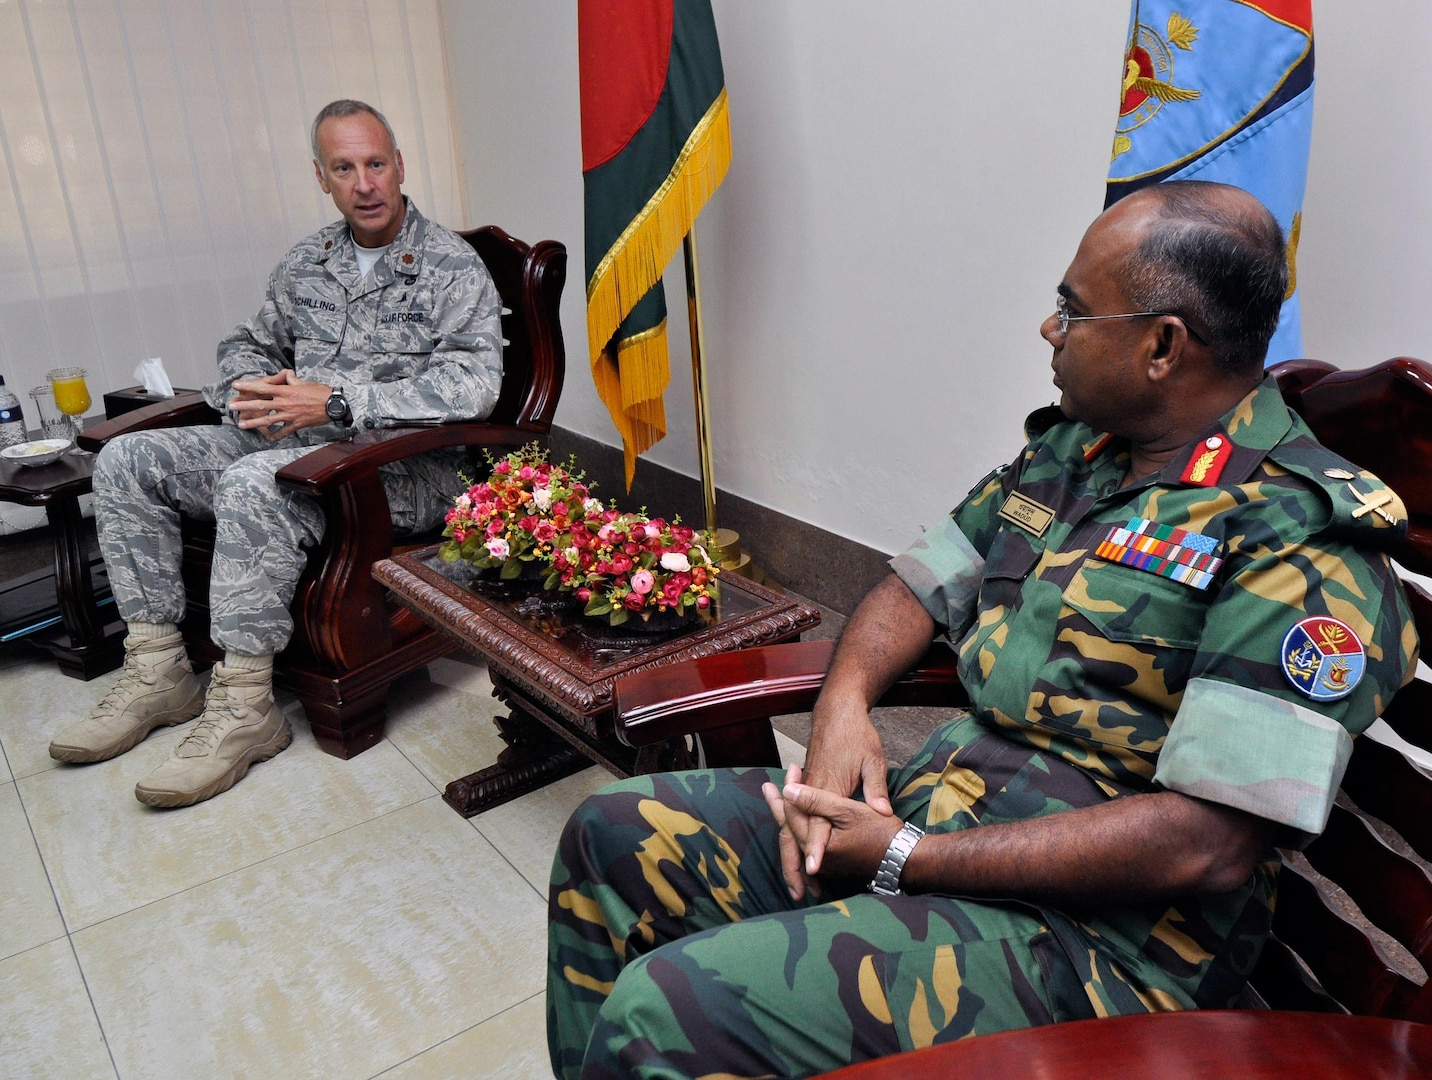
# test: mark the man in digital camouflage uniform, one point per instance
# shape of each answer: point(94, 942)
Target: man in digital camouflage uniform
point(382, 317)
point(1172, 615)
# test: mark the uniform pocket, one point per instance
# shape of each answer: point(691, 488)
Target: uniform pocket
point(1135, 606)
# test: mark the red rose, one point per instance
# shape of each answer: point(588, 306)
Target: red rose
point(634, 601)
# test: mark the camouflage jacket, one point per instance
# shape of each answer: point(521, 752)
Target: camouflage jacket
point(419, 338)
point(1222, 629)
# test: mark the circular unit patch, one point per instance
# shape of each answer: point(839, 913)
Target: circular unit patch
point(1323, 658)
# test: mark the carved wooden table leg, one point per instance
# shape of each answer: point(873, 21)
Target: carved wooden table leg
point(533, 758)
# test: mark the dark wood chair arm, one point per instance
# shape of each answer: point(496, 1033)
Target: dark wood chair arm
point(182, 410)
point(334, 464)
point(754, 684)
point(1193, 1045)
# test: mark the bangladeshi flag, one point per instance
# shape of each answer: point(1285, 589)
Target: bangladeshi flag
point(1221, 90)
point(656, 142)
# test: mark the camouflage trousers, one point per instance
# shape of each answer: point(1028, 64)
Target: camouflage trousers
point(144, 482)
point(676, 951)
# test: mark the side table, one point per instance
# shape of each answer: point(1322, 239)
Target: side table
point(87, 645)
point(555, 669)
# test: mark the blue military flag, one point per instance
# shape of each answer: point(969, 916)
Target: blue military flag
point(1221, 90)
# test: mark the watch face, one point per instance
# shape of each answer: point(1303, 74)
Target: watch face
point(337, 406)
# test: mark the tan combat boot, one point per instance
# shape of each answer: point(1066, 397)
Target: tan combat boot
point(157, 688)
point(241, 725)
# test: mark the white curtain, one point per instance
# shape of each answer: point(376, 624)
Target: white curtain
point(157, 164)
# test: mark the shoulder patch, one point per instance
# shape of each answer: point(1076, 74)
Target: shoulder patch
point(1322, 658)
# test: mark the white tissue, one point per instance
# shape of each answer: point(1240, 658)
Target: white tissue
point(155, 379)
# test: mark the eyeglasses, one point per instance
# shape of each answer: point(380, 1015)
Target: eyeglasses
point(1061, 312)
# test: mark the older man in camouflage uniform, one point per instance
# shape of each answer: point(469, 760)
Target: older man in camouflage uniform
point(1171, 615)
point(382, 317)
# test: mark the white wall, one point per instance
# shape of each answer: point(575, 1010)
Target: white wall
point(909, 181)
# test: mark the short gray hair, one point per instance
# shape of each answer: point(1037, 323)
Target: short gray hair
point(347, 107)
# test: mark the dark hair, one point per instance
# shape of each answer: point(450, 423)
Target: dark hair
point(1216, 256)
point(347, 107)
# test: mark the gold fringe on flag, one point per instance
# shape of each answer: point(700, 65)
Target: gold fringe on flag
point(631, 383)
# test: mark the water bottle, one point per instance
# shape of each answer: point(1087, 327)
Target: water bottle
point(12, 420)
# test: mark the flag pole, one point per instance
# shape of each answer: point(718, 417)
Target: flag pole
point(698, 375)
point(728, 542)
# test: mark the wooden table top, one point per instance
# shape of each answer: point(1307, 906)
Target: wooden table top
point(569, 659)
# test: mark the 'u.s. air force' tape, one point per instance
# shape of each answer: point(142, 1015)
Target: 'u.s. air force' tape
point(1323, 658)
point(1161, 549)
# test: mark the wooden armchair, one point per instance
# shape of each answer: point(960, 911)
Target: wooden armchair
point(349, 641)
point(1353, 927)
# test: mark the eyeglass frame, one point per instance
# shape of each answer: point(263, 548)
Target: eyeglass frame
point(1061, 313)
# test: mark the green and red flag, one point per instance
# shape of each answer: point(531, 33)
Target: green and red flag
point(656, 142)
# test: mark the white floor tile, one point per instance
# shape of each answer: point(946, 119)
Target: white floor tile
point(526, 830)
point(442, 721)
point(39, 701)
point(49, 1028)
point(512, 1045)
point(343, 958)
point(28, 915)
point(108, 853)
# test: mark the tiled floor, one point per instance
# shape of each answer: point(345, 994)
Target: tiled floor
point(322, 919)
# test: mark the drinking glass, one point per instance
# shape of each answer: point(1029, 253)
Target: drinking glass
point(72, 395)
point(53, 423)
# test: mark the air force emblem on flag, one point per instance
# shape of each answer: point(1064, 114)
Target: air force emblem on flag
point(1323, 658)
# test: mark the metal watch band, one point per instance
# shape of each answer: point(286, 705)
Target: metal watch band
point(886, 881)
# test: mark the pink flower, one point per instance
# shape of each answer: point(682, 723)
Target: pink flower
point(675, 586)
point(498, 549)
point(584, 594)
point(495, 527)
point(703, 602)
point(652, 530)
point(544, 531)
point(642, 581)
point(502, 467)
point(526, 472)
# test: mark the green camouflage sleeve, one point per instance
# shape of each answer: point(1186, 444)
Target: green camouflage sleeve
point(944, 567)
point(1267, 719)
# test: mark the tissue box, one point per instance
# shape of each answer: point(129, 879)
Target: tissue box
point(119, 402)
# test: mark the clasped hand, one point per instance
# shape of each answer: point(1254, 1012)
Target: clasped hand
point(279, 404)
point(826, 834)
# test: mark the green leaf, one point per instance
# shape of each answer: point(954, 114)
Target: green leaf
point(510, 569)
point(619, 616)
point(597, 605)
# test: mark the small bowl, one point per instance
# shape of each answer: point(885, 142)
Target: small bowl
point(38, 452)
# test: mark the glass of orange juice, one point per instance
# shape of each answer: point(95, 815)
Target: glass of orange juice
point(72, 396)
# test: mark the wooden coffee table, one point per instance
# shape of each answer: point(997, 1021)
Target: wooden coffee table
point(555, 669)
point(90, 641)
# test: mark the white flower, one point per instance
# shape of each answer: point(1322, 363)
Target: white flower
point(571, 555)
point(675, 560)
point(593, 506)
point(464, 501)
point(542, 498)
point(498, 549)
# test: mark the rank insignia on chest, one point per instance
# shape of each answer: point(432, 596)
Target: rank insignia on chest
point(1323, 658)
point(1182, 556)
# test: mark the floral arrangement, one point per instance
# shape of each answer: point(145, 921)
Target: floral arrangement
point(624, 566)
point(509, 521)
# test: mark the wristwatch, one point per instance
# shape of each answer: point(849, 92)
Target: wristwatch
point(337, 407)
point(886, 881)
